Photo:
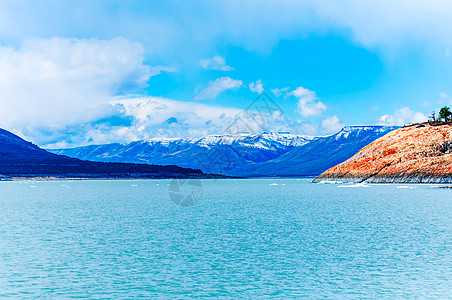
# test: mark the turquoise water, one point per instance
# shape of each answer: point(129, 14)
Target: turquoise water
point(274, 238)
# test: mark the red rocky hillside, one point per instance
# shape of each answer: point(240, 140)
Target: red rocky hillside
point(418, 154)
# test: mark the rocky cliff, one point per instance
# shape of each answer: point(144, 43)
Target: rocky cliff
point(416, 154)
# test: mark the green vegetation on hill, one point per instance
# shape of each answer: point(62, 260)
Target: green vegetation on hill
point(444, 117)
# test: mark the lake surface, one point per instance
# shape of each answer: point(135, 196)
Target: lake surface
point(273, 238)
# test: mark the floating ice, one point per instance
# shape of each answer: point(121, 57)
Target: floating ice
point(330, 182)
point(361, 184)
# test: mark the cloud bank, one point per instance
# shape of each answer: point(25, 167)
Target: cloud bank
point(385, 24)
point(143, 118)
point(63, 81)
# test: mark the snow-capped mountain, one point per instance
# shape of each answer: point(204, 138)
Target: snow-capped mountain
point(319, 154)
point(263, 154)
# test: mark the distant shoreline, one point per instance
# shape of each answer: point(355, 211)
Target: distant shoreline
point(59, 178)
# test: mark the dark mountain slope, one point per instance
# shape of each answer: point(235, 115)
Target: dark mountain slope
point(19, 158)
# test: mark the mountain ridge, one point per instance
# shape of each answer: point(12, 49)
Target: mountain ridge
point(262, 154)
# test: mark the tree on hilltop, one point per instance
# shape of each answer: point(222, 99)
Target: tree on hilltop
point(445, 114)
point(432, 117)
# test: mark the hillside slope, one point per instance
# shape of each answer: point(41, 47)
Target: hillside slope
point(415, 154)
point(19, 158)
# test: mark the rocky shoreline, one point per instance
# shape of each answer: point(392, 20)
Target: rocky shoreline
point(413, 180)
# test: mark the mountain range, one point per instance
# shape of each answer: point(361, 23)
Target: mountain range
point(248, 155)
point(19, 158)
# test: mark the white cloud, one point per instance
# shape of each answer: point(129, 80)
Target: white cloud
point(332, 124)
point(402, 116)
point(307, 104)
point(155, 110)
point(131, 119)
point(256, 87)
point(216, 87)
point(215, 63)
point(63, 81)
point(279, 92)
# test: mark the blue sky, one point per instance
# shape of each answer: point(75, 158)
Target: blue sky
point(83, 72)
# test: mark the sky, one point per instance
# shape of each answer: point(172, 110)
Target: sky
point(75, 73)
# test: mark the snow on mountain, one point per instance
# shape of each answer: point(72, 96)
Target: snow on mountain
point(319, 154)
point(263, 154)
point(264, 140)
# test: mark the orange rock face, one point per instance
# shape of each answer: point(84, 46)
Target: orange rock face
point(416, 154)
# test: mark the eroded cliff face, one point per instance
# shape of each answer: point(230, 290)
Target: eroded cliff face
point(416, 154)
